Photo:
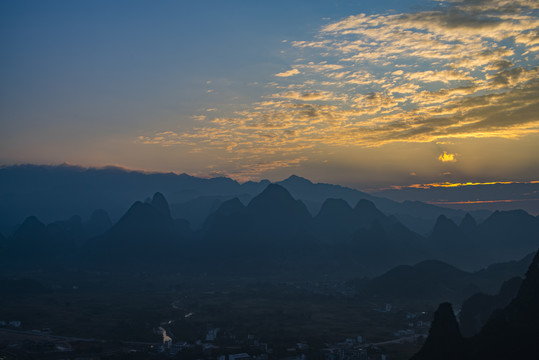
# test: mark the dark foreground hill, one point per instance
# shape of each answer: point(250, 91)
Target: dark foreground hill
point(477, 309)
point(510, 333)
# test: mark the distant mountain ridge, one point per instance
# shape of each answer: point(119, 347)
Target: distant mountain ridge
point(437, 280)
point(56, 192)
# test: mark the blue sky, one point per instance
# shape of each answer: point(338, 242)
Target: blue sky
point(363, 93)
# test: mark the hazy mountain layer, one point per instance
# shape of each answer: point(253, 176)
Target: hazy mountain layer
point(58, 192)
point(273, 235)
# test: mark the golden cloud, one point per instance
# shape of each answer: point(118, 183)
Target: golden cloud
point(447, 157)
point(288, 73)
point(464, 71)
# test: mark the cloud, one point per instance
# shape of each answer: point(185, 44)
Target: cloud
point(506, 76)
point(466, 69)
point(375, 102)
point(288, 73)
point(444, 76)
point(407, 88)
point(305, 96)
point(478, 201)
point(499, 65)
point(450, 185)
point(447, 157)
point(322, 66)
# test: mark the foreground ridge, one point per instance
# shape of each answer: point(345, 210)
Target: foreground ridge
point(510, 333)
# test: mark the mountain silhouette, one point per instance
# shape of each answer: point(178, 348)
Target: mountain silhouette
point(468, 225)
point(517, 225)
point(295, 181)
point(510, 333)
point(438, 281)
point(99, 223)
point(336, 218)
point(414, 214)
point(142, 220)
point(30, 230)
point(31, 241)
point(367, 214)
point(66, 190)
point(333, 210)
point(431, 279)
point(273, 211)
point(69, 233)
point(196, 210)
point(144, 233)
point(477, 309)
point(160, 203)
point(223, 212)
point(276, 207)
point(445, 229)
point(502, 236)
point(445, 339)
point(274, 229)
point(451, 244)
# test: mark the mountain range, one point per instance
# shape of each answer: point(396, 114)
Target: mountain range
point(273, 235)
point(57, 192)
point(293, 229)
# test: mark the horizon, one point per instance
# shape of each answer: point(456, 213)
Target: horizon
point(448, 195)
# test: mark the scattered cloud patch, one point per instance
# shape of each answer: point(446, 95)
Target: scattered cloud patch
point(447, 157)
point(288, 73)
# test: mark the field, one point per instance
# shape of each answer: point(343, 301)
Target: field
point(130, 307)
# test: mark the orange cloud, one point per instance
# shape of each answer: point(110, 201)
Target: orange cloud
point(447, 157)
point(478, 201)
point(450, 185)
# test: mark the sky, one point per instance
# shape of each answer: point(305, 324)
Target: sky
point(370, 94)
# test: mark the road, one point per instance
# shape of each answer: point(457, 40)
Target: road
point(397, 341)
